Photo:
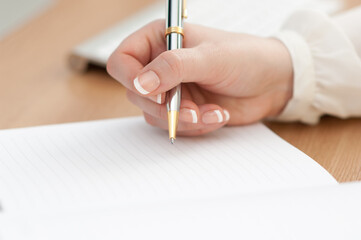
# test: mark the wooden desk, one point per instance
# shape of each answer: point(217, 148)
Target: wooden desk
point(37, 87)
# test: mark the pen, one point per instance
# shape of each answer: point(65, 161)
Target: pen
point(176, 11)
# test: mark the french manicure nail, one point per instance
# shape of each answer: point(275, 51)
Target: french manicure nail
point(147, 82)
point(188, 115)
point(157, 99)
point(226, 114)
point(212, 117)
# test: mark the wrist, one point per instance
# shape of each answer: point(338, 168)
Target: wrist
point(282, 77)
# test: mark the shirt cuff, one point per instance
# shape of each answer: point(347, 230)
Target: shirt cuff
point(327, 70)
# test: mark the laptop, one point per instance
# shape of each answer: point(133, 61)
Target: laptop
point(257, 17)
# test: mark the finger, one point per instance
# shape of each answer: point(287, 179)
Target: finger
point(136, 51)
point(174, 67)
point(184, 129)
point(213, 117)
point(127, 63)
point(199, 62)
point(163, 123)
point(213, 114)
point(189, 111)
point(186, 94)
point(141, 47)
point(159, 98)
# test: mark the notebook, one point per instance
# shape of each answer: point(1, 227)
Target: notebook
point(100, 171)
point(258, 17)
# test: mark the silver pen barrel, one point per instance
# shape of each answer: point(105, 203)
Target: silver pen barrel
point(174, 98)
point(174, 19)
point(174, 41)
point(174, 37)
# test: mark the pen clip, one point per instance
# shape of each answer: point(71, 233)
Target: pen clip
point(184, 10)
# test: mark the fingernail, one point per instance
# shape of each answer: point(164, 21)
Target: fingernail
point(157, 99)
point(212, 117)
point(188, 115)
point(226, 114)
point(147, 82)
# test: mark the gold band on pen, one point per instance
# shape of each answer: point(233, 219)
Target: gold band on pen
point(173, 123)
point(174, 30)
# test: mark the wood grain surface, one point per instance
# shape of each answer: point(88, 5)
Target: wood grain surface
point(37, 87)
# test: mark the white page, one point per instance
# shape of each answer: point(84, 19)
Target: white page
point(331, 212)
point(122, 161)
point(258, 17)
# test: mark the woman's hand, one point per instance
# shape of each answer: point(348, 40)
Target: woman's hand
point(227, 78)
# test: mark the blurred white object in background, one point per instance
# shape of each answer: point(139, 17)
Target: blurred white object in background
point(258, 17)
point(14, 13)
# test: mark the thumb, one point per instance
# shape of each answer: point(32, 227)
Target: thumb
point(170, 69)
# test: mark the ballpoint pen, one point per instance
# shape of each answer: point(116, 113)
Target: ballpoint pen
point(176, 11)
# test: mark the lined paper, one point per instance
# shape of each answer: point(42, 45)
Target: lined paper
point(122, 161)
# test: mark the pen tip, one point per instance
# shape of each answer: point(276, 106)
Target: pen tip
point(172, 140)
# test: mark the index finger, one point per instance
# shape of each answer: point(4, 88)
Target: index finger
point(136, 51)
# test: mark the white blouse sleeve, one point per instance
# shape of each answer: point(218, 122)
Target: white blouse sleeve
point(327, 67)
